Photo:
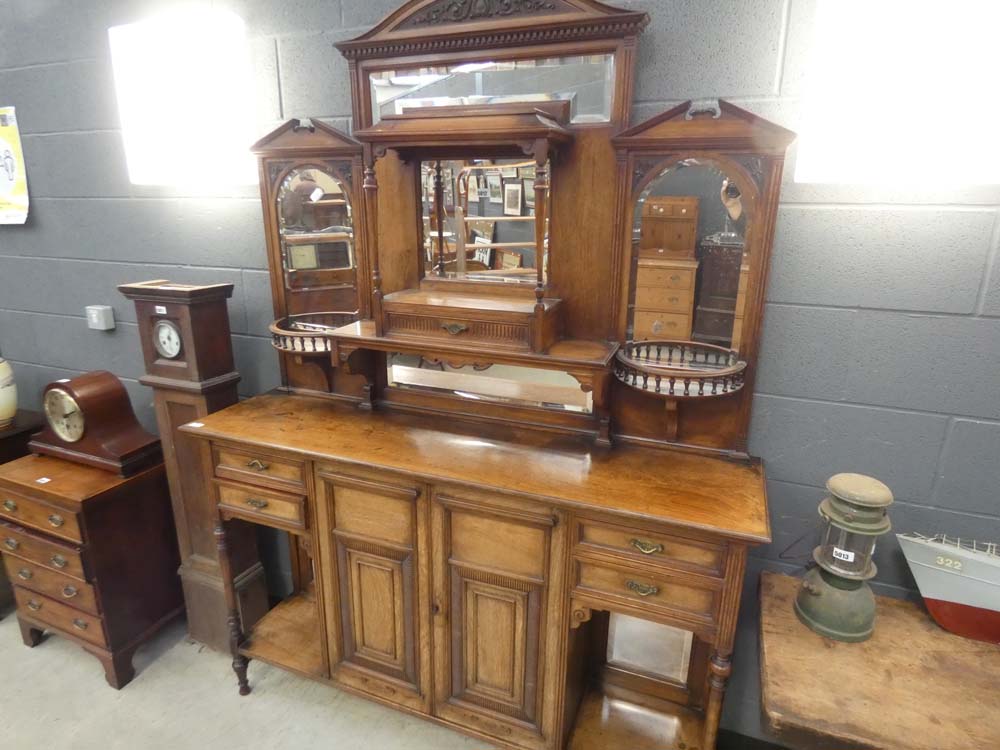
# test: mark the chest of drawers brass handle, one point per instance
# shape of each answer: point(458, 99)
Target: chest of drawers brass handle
point(80, 624)
point(58, 560)
point(10, 506)
point(646, 548)
point(24, 574)
point(675, 278)
point(11, 544)
point(455, 328)
point(33, 605)
point(69, 592)
point(56, 520)
point(257, 465)
point(642, 589)
point(253, 502)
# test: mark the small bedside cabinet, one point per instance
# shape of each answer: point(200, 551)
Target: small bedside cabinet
point(14, 444)
point(92, 556)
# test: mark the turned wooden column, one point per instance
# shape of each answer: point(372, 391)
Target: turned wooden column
point(235, 625)
point(439, 215)
point(370, 189)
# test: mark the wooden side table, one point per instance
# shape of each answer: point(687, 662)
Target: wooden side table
point(913, 686)
point(14, 444)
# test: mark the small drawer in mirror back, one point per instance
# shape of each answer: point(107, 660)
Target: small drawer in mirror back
point(38, 515)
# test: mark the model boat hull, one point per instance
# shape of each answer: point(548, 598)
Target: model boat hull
point(960, 585)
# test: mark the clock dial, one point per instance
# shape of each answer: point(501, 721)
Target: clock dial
point(167, 339)
point(64, 415)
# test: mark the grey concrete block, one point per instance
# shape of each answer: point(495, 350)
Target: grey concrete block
point(202, 232)
point(795, 522)
point(947, 364)
point(795, 361)
point(47, 31)
point(991, 301)
point(360, 14)
point(257, 363)
point(708, 48)
point(904, 259)
point(805, 442)
point(314, 76)
point(267, 93)
point(62, 97)
point(269, 17)
point(799, 44)
point(259, 310)
point(969, 471)
point(76, 165)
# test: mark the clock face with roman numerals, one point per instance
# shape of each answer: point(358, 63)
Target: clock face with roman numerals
point(167, 339)
point(64, 415)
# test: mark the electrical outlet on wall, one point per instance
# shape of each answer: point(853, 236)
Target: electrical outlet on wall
point(100, 317)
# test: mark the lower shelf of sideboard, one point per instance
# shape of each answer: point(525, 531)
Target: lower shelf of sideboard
point(288, 636)
point(607, 722)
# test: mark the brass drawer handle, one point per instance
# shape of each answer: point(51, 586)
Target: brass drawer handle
point(80, 624)
point(255, 503)
point(69, 592)
point(455, 328)
point(257, 465)
point(59, 561)
point(56, 520)
point(10, 506)
point(675, 277)
point(646, 548)
point(33, 605)
point(11, 544)
point(24, 574)
point(642, 589)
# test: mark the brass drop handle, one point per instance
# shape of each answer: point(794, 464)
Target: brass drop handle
point(33, 605)
point(646, 548)
point(59, 561)
point(24, 574)
point(80, 624)
point(675, 277)
point(257, 465)
point(69, 592)
point(642, 589)
point(455, 328)
point(10, 506)
point(11, 544)
point(56, 520)
point(253, 502)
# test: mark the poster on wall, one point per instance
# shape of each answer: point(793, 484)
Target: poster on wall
point(13, 178)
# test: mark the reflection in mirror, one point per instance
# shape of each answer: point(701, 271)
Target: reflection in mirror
point(689, 236)
point(587, 82)
point(317, 235)
point(480, 226)
point(522, 386)
point(649, 647)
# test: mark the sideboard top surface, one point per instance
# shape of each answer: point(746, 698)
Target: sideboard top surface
point(698, 492)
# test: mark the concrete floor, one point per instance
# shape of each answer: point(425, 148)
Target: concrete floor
point(54, 697)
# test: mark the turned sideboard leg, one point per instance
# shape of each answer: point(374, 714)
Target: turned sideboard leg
point(719, 668)
point(236, 637)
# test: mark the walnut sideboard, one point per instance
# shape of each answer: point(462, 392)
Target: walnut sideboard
point(466, 572)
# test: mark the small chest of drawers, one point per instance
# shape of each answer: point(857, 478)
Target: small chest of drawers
point(664, 299)
point(92, 556)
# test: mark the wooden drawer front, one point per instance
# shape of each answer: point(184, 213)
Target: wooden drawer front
point(673, 207)
point(39, 515)
point(663, 300)
point(665, 277)
point(42, 551)
point(263, 506)
point(653, 548)
point(61, 616)
point(513, 335)
point(258, 468)
point(373, 510)
point(54, 585)
point(657, 325)
point(646, 589)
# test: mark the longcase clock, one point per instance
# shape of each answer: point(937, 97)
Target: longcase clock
point(188, 355)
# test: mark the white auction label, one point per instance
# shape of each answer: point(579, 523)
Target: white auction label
point(160, 310)
point(43, 480)
point(195, 424)
point(843, 554)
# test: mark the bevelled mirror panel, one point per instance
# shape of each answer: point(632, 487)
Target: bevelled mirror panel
point(586, 81)
point(692, 266)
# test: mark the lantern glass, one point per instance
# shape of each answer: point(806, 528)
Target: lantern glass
point(846, 553)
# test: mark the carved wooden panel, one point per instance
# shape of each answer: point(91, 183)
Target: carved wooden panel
point(445, 12)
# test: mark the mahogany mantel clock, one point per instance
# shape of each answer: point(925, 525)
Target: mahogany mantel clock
point(188, 354)
point(90, 420)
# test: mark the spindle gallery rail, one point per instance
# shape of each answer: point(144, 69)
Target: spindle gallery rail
point(679, 369)
point(308, 333)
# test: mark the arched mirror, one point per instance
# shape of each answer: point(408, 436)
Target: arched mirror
point(690, 240)
point(316, 228)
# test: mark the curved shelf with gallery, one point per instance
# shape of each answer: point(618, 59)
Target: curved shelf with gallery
point(484, 298)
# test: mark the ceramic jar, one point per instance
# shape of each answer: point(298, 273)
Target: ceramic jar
point(8, 395)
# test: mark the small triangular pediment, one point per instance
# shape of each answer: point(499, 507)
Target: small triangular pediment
point(720, 126)
point(295, 136)
point(426, 26)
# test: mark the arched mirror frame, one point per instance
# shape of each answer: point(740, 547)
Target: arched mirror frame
point(752, 151)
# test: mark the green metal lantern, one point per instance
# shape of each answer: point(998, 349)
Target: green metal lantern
point(835, 600)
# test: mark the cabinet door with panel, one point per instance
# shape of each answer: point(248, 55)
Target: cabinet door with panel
point(376, 617)
point(494, 569)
